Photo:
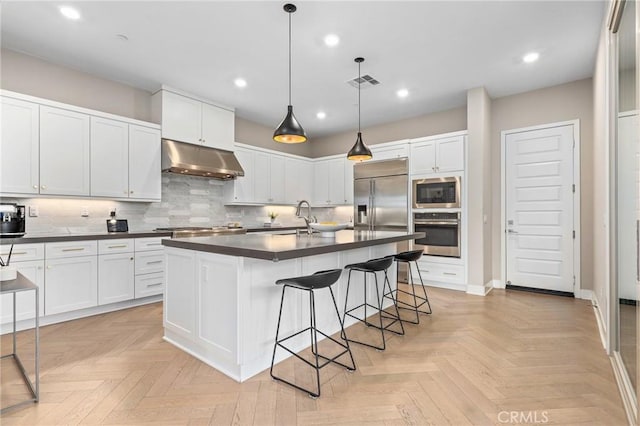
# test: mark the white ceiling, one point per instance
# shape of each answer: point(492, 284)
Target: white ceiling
point(437, 50)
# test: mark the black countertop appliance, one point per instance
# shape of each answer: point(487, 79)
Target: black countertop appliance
point(12, 220)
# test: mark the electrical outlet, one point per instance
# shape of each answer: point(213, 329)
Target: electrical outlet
point(33, 211)
point(85, 211)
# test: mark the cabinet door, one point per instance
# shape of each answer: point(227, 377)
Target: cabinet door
point(218, 127)
point(297, 180)
point(336, 182)
point(149, 284)
point(277, 180)
point(109, 158)
point(389, 152)
point(423, 158)
point(450, 155)
point(64, 152)
point(145, 181)
point(19, 144)
point(243, 186)
point(320, 183)
point(71, 283)
point(262, 177)
point(25, 300)
point(348, 181)
point(181, 118)
point(115, 278)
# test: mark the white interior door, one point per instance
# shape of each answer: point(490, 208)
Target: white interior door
point(539, 208)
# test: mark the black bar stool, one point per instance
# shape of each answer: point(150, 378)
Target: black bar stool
point(408, 257)
point(371, 267)
point(310, 283)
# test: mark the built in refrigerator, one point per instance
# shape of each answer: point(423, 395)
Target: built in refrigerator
point(381, 199)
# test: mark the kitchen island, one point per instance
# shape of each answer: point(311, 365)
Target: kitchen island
point(221, 302)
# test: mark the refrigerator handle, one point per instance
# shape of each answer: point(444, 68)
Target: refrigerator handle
point(373, 206)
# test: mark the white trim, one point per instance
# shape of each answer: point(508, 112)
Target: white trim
point(192, 96)
point(576, 199)
point(439, 136)
point(274, 152)
point(585, 294)
point(480, 290)
point(626, 388)
point(600, 320)
point(498, 284)
point(447, 286)
point(93, 112)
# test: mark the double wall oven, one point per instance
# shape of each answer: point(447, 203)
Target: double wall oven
point(436, 204)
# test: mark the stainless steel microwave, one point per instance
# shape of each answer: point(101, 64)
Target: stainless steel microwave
point(443, 192)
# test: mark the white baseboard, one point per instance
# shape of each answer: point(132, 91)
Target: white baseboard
point(584, 294)
point(480, 290)
point(448, 286)
point(625, 387)
point(602, 329)
point(498, 284)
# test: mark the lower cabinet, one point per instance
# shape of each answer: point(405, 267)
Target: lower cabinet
point(149, 284)
point(25, 301)
point(115, 278)
point(71, 283)
point(441, 272)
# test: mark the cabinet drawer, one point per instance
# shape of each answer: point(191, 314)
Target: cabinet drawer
point(124, 245)
point(71, 249)
point(149, 262)
point(442, 272)
point(149, 284)
point(148, 244)
point(23, 252)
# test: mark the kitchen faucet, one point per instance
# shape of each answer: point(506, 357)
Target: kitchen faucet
point(308, 219)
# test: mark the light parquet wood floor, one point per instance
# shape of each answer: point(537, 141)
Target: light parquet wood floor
point(475, 361)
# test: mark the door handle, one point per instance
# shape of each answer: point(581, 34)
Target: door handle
point(511, 231)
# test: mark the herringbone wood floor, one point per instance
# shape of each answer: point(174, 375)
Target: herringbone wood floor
point(476, 360)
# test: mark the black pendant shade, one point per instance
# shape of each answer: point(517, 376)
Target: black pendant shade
point(360, 151)
point(289, 130)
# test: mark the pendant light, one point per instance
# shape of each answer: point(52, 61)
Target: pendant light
point(289, 131)
point(359, 152)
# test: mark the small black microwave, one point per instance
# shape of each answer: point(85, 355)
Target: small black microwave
point(443, 192)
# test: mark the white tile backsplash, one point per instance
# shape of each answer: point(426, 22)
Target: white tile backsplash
point(186, 201)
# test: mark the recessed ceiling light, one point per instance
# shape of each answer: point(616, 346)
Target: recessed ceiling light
point(70, 13)
point(240, 82)
point(531, 57)
point(331, 40)
point(321, 115)
point(402, 93)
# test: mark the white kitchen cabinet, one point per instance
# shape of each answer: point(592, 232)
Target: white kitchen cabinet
point(149, 284)
point(64, 152)
point(389, 152)
point(71, 283)
point(437, 155)
point(187, 119)
point(298, 180)
point(149, 267)
point(276, 179)
point(25, 303)
point(440, 272)
point(115, 277)
point(109, 158)
point(348, 181)
point(19, 147)
point(145, 179)
point(240, 190)
point(329, 182)
point(261, 178)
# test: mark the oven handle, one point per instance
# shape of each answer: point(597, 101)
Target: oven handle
point(450, 223)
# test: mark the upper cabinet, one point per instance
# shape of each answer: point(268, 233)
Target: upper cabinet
point(298, 180)
point(442, 155)
point(19, 147)
point(49, 148)
point(185, 118)
point(329, 182)
point(64, 152)
point(390, 152)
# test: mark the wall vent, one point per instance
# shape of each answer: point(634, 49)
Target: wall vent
point(366, 82)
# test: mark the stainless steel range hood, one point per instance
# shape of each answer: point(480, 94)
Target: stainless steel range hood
point(196, 160)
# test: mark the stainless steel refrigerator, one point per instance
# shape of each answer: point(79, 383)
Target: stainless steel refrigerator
point(381, 199)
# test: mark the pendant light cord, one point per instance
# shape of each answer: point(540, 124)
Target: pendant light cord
point(359, 82)
point(289, 58)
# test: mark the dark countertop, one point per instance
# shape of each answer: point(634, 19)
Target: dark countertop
point(55, 238)
point(282, 247)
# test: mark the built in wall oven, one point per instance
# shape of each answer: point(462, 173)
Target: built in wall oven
point(442, 233)
point(436, 193)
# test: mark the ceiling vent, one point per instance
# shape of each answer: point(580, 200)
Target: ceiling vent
point(366, 82)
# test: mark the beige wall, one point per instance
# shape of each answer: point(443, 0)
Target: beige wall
point(33, 76)
point(425, 125)
point(568, 101)
point(36, 77)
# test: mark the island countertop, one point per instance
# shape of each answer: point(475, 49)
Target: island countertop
point(283, 247)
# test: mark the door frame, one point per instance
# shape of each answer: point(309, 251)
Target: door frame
point(577, 288)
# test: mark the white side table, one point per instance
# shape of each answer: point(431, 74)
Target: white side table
point(21, 283)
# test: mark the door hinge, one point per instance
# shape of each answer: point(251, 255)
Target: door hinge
point(574, 188)
point(574, 282)
point(574, 235)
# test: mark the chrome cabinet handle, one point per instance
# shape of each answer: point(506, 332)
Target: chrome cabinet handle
point(448, 273)
point(118, 246)
point(74, 249)
point(154, 285)
point(155, 261)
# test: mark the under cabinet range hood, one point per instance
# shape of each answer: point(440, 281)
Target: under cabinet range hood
point(196, 160)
